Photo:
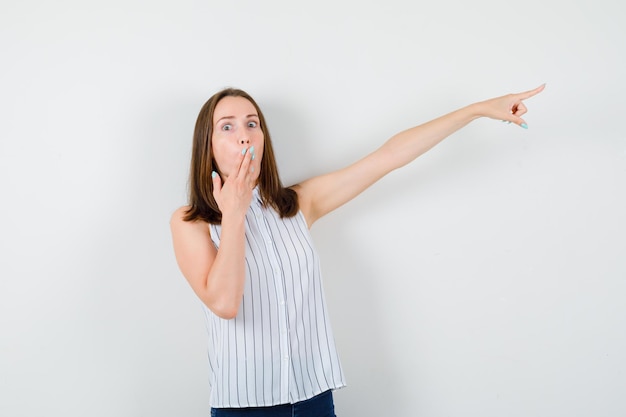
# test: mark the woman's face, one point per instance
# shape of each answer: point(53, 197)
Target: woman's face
point(236, 127)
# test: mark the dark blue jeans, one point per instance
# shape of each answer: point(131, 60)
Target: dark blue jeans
point(319, 406)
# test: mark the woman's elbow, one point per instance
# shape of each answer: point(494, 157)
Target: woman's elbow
point(226, 314)
point(224, 310)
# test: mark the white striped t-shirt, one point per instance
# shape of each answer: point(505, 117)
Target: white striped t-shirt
point(279, 348)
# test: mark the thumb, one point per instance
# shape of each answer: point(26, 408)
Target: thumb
point(516, 120)
point(520, 122)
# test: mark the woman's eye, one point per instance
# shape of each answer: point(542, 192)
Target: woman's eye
point(227, 127)
point(252, 124)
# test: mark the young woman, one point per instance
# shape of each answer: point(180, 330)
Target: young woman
point(243, 245)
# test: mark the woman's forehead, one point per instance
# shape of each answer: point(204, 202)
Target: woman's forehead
point(234, 107)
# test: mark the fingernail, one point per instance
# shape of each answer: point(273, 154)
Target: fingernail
point(524, 125)
point(213, 174)
point(252, 152)
point(243, 151)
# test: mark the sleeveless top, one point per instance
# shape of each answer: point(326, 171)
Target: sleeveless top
point(279, 348)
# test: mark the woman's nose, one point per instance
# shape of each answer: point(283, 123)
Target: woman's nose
point(244, 140)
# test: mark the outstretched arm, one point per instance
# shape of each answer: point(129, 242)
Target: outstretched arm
point(322, 194)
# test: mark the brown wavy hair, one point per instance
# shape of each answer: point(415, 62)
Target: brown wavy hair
point(201, 201)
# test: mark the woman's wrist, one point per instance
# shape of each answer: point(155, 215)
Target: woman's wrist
point(475, 110)
point(233, 221)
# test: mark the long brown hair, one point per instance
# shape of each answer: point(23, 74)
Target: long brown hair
point(201, 201)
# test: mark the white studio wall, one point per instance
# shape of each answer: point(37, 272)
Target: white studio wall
point(485, 279)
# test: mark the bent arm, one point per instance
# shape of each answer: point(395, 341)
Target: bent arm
point(216, 276)
point(320, 195)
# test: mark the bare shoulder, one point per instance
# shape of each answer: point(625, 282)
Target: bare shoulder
point(178, 216)
point(304, 200)
point(179, 213)
point(185, 233)
point(178, 222)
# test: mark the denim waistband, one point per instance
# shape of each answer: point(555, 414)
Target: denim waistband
point(319, 406)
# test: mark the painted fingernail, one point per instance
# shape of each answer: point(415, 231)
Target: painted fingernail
point(213, 174)
point(243, 151)
point(252, 152)
point(524, 125)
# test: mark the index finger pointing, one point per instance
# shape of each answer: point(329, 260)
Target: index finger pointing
point(530, 93)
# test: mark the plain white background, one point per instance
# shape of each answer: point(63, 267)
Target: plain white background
point(485, 279)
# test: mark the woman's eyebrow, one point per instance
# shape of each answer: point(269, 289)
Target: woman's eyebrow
point(232, 117)
point(225, 117)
